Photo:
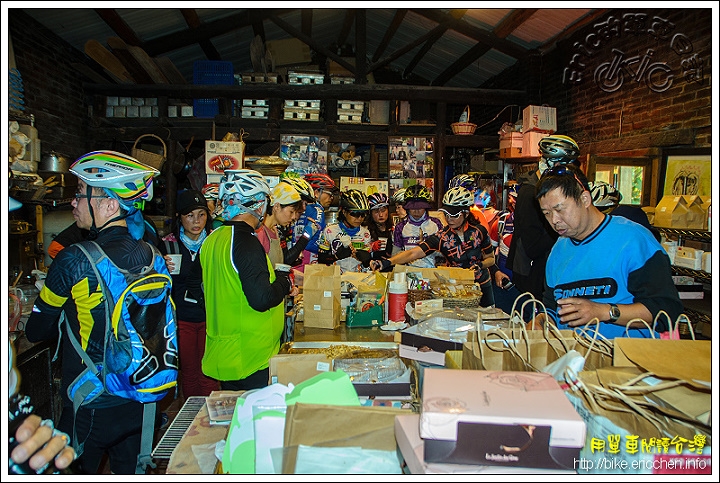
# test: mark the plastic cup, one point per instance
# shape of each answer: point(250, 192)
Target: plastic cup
point(177, 260)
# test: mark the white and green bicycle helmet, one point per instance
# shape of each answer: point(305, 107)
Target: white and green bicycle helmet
point(123, 175)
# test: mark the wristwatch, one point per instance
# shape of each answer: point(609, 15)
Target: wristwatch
point(614, 313)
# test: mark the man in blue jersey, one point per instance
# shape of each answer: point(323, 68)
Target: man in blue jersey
point(602, 267)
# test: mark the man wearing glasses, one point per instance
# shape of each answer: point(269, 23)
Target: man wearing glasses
point(603, 269)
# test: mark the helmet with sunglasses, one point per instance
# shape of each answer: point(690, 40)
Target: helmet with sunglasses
point(604, 195)
point(464, 180)
point(320, 181)
point(300, 185)
point(458, 196)
point(123, 175)
point(247, 183)
point(378, 200)
point(558, 149)
point(399, 196)
point(417, 192)
point(354, 200)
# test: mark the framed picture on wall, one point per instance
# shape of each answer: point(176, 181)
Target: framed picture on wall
point(686, 172)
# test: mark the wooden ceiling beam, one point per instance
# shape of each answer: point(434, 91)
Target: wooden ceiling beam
point(306, 17)
point(361, 92)
point(516, 18)
point(476, 33)
point(347, 25)
point(319, 48)
point(361, 46)
point(457, 14)
point(390, 32)
point(208, 30)
point(118, 25)
point(580, 23)
point(191, 18)
point(475, 52)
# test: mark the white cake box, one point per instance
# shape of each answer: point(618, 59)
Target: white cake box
point(498, 418)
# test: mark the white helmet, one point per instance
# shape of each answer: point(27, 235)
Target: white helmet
point(247, 183)
point(458, 196)
point(125, 176)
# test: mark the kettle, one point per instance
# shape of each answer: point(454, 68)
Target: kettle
point(54, 162)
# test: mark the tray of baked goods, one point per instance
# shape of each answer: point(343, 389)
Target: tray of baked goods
point(375, 368)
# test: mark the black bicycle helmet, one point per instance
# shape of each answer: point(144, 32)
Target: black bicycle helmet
point(354, 200)
point(558, 149)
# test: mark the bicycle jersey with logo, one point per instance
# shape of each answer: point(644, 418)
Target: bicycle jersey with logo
point(466, 252)
point(360, 239)
point(506, 226)
point(410, 233)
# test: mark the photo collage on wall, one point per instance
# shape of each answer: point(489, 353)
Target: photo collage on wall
point(411, 161)
point(307, 154)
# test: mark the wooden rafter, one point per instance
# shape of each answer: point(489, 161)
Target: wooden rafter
point(115, 22)
point(347, 25)
point(389, 33)
point(306, 17)
point(516, 18)
point(191, 18)
point(457, 14)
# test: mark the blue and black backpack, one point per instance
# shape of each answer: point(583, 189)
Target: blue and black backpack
point(140, 356)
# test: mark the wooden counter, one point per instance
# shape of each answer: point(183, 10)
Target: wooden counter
point(342, 334)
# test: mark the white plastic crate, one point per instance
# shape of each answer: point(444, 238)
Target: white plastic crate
point(337, 79)
point(302, 104)
point(350, 118)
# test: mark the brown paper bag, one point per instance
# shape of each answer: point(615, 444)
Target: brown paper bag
point(336, 426)
point(321, 296)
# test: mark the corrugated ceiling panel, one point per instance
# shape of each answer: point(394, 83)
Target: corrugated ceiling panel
point(546, 24)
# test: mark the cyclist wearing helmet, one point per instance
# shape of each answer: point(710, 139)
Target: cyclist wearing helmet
point(602, 268)
point(418, 225)
point(464, 244)
point(398, 198)
point(533, 237)
point(380, 226)
point(191, 226)
point(347, 243)
point(211, 191)
point(111, 189)
point(243, 294)
point(303, 235)
point(285, 209)
point(607, 199)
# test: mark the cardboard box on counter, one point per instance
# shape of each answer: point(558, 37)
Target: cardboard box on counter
point(222, 155)
point(503, 418)
point(321, 296)
point(697, 217)
point(539, 118)
point(671, 212)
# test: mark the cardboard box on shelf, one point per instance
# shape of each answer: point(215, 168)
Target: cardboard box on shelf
point(483, 417)
point(511, 145)
point(289, 52)
point(220, 155)
point(539, 118)
point(530, 143)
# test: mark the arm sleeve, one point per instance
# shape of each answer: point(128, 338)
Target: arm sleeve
point(292, 255)
point(652, 285)
point(251, 262)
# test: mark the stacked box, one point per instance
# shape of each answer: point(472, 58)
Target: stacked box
point(341, 79)
point(305, 78)
point(350, 112)
point(260, 78)
point(255, 109)
point(210, 72)
point(301, 110)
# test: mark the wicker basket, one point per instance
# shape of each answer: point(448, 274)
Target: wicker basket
point(464, 128)
point(416, 295)
point(149, 158)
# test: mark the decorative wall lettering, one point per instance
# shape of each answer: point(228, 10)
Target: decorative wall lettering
point(656, 74)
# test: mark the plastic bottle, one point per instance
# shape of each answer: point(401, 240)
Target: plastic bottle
point(397, 299)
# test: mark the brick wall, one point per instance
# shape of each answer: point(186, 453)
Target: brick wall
point(635, 113)
point(52, 87)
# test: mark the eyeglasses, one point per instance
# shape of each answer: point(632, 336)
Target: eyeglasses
point(561, 170)
point(456, 215)
point(80, 196)
point(357, 214)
